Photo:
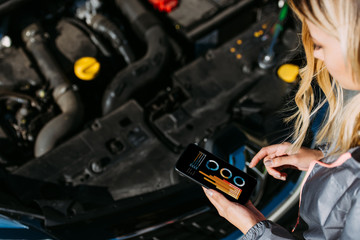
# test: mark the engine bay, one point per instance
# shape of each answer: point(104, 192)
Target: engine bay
point(99, 98)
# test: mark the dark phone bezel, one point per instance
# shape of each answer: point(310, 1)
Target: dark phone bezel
point(245, 195)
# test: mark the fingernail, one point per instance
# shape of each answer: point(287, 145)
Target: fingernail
point(282, 178)
point(268, 163)
point(209, 192)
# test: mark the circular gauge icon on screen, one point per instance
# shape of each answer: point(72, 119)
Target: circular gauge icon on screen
point(225, 173)
point(239, 181)
point(212, 165)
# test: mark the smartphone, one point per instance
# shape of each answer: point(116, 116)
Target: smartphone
point(210, 171)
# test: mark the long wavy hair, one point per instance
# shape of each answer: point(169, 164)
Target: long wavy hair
point(340, 19)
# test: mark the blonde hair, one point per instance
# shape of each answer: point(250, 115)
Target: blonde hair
point(341, 19)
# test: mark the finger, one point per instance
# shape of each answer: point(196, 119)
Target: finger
point(220, 202)
point(264, 152)
point(276, 174)
point(268, 152)
point(217, 197)
point(214, 199)
point(281, 161)
point(212, 195)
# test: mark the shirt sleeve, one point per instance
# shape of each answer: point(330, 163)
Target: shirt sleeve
point(267, 230)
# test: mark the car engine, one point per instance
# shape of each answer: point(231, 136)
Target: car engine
point(99, 98)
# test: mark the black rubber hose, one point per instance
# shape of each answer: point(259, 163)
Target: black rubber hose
point(85, 28)
point(20, 98)
point(64, 94)
point(117, 39)
point(147, 68)
point(35, 43)
point(62, 125)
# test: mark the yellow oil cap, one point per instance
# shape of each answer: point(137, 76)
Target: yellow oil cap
point(288, 72)
point(86, 68)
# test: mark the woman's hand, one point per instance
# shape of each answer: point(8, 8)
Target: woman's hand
point(276, 158)
point(243, 217)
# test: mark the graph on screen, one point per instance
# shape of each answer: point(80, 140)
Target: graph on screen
point(196, 163)
point(223, 185)
point(198, 160)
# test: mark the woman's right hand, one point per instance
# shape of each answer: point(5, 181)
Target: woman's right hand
point(275, 159)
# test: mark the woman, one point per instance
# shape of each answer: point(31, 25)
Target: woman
point(330, 201)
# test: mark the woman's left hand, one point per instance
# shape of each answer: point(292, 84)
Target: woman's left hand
point(243, 217)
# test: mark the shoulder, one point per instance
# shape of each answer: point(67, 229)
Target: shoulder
point(342, 170)
point(347, 174)
point(352, 156)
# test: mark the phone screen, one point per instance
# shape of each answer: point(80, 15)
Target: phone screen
point(210, 171)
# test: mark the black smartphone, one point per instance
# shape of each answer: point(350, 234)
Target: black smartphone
point(210, 171)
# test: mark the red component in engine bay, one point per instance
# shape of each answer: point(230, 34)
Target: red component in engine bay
point(164, 5)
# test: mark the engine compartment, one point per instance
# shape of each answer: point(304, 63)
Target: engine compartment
point(161, 77)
